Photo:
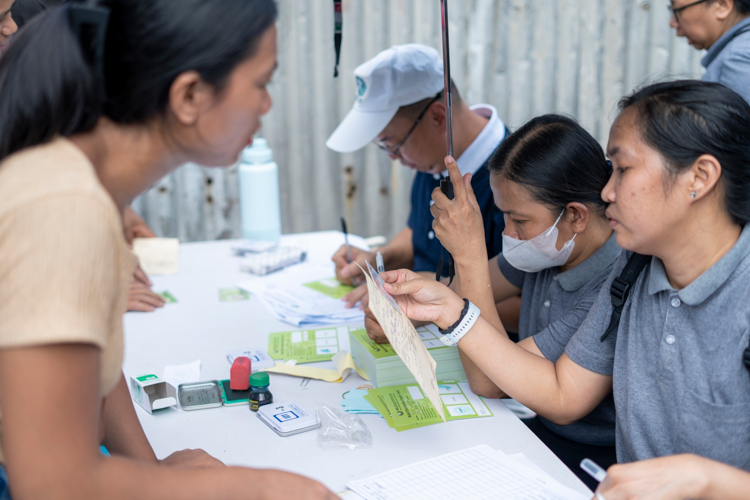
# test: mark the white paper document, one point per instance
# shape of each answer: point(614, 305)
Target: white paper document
point(183, 374)
point(477, 473)
point(286, 297)
point(157, 255)
point(404, 338)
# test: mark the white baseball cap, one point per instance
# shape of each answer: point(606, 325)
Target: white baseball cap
point(401, 75)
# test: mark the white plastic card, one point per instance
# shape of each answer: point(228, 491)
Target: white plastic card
point(259, 359)
point(288, 418)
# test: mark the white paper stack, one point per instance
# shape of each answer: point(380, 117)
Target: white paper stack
point(285, 296)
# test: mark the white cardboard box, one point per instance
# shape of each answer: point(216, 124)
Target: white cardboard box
point(153, 393)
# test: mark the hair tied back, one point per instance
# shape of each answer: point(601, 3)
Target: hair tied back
point(89, 24)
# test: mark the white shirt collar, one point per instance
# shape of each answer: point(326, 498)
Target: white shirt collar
point(485, 143)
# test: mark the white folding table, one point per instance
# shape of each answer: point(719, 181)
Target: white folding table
point(200, 326)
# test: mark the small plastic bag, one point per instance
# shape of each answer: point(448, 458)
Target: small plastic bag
point(341, 429)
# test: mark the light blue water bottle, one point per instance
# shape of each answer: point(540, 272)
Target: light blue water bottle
point(259, 193)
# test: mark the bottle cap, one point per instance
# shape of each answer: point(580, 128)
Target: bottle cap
point(259, 379)
point(258, 153)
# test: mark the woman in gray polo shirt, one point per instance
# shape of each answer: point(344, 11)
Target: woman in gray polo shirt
point(680, 192)
point(546, 179)
point(722, 27)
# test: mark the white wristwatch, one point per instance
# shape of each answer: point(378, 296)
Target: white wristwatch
point(469, 315)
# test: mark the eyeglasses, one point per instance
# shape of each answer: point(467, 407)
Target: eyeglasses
point(674, 10)
point(395, 151)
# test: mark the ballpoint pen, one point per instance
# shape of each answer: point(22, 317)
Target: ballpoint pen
point(379, 263)
point(349, 257)
point(596, 471)
point(346, 240)
point(593, 469)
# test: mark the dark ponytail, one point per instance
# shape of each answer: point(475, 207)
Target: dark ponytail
point(742, 6)
point(49, 86)
point(556, 160)
point(685, 119)
point(46, 86)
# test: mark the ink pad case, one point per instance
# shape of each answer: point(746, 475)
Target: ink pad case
point(199, 395)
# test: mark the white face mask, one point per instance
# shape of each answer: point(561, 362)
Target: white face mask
point(539, 252)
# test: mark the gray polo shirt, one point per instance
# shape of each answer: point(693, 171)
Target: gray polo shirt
point(553, 306)
point(728, 60)
point(680, 385)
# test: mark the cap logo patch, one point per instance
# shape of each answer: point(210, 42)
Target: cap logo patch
point(361, 88)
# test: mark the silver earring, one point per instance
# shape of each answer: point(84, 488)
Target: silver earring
point(693, 194)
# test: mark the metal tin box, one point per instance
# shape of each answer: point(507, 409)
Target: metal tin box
point(199, 395)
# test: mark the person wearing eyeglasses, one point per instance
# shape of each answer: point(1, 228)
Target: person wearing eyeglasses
point(400, 107)
point(722, 27)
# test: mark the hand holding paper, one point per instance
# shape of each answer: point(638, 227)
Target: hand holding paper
point(404, 338)
point(422, 299)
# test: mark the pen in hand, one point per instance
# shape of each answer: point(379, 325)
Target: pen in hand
point(596, 471)
point(379, 263)
point(349, 257)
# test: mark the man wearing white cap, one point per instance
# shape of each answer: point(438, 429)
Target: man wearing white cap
point(400, 107)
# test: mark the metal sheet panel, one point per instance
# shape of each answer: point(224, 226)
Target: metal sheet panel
point(525, 57)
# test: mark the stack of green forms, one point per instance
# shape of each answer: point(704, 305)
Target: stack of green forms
point(384, 367)
point(405, 407)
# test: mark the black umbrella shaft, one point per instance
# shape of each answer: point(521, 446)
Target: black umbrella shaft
point(447, 77)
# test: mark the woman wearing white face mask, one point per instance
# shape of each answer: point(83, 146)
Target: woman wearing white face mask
point(557, 251)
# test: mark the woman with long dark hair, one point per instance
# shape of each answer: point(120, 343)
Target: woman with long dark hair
point(140, 295)
point(87, 122)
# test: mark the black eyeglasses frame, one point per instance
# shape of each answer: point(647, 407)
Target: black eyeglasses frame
point(395, 151)
point(674, 10)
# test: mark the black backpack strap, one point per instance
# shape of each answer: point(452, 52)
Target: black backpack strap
point(620, 289)
point(746, 357)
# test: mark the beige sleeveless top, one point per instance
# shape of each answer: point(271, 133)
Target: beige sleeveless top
point(64, 264)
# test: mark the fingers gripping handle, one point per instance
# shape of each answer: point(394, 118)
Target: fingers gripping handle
point(446, 186)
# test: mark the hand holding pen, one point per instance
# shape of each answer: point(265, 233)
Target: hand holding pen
point(673, 477)
point(356, 280)
point(348, 272)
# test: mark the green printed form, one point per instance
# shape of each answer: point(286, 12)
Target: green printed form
point(428, 338)
point(405, 407)
point(384, 367)
point(330, 287)
point(401, 410)
point(379, 351)
point(168, 297)
point(308, 346)
point(232, 294)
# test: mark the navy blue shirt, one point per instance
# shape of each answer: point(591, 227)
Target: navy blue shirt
point(427, 247)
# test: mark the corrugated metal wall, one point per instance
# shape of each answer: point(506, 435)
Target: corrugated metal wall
point(526, 57)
